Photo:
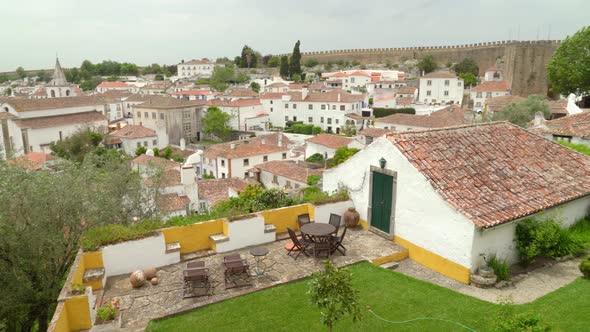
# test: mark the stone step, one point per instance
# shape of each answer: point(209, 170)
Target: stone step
point(93, 274)
point(172, 247)
point(390, 265)
point(269, 228)
point(196, 255)
point(218, 238)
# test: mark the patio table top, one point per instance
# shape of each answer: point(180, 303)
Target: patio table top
point(318, 229)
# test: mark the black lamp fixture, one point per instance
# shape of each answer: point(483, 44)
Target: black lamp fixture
point(382, 162)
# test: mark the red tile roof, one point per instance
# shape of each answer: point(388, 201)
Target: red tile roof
point(152, 161)
point(493, 68)
point(272, 95)
point(440, 74)
point(245, 148)
point(498, 103)
point(23, 104)
point(374, 132)
point(447, 117)
point(32, 160)
point(133, 131)
point(492, 86)
point(113, 85)
point(193, 93)
point(329, 140)
point(277, 85)
point(91, 117)
point(197, 62)
point(288, 169)
point(497, 172)
point(235, 103)
point(571, 125)
point(216, 190)
point(240, 92)
point(172, 202)
point(405, 90)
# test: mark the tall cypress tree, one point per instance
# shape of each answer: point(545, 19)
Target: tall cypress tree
point(295, 65)
point(284, 69)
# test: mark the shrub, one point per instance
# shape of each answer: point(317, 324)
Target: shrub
point(381, 112)
point(115, 233)
point(342, 154)
point(315, 158)
point(501, 268)
point(314, 195)
point(568, 244)
point(535, 237)
point(316, 130)
point(585, 267)
point(77, 289)
point(312, 180)
point(311, 62)
point(108, 310)
point(508, 320)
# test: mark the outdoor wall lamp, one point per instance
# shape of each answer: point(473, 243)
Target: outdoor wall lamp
point(382, 162)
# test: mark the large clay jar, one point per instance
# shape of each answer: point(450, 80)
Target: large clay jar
point(137, 279)
point(150, 272)
point(351, 217)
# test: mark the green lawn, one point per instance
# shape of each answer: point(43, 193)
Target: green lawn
point(391, 295)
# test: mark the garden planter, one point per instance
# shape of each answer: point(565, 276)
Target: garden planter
point(351, 217)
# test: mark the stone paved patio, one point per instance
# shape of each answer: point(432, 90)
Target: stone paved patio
point(138, 306)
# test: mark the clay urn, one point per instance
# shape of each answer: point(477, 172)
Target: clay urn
point(351, 217)
point(154, 281)
point(137, 279)
point(150, 272)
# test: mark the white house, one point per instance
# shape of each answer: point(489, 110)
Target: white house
point(194, 94)
point(242, 110)
point(131, 137)
point(488, 89)
point(234, 159)
point(441, 88)
point(31, 125)
point(325, 144)
point(351, 80)
point(196, 68)
point(117, 86)
point(453, 196)
point(493, 74)
point(283, 174)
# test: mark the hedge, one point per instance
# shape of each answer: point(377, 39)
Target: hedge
point(381, 112)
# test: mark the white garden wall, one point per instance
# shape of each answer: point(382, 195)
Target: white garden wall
point(135, 255)
point(245, 232)
point(322, 212)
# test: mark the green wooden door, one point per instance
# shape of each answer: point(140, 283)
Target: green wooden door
point(381, 201)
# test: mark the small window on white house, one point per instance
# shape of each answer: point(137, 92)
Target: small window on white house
point(284, 155)
point(145, 143)
point(323, 107)
point(265, 158)
point(246, 162)
point(275, 179)
point(447, 82)
point(138, 144)
point(310, 119)
point(429, 82)
point(286, 118)
point(446, 93)
point(155, 142)
point(428, 93)
point(222, 163)
point(310, 107)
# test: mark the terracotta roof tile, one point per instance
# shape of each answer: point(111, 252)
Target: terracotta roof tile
point(172, 202)
point(216, 190)
point(272, 95)
point(240, 92)
point(152, 161)
point(450, 116)
point(61, 120)
point(571, 125)
point(246, 148)
point(374, 132)
point(492, 86)
point(133, 131)
point(497, 172)
point(288, 169)
point(440, 74)
point(114, 85)
point(329, 140)
point(498, 103)
point(23, 104)
point(32, 160)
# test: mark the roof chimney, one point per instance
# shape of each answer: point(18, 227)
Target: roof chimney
point(263, 141)
point(118, 125)
point(280, 139)
point(339, 97)
point(539, 119)
point(187, 174)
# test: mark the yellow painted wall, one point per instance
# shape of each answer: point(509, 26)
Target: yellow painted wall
point(364, 224)
point(78, 313)
point(62, 323)
point(93, 260)
point(398, 256)
point(286, 217)
point(78, 275)
point(435, 262)
point(193, 237)
point(225, 228)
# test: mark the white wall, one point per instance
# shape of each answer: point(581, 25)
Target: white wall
point(322, 211)
point(244, 233)
point(437, 90)
point(238, 169)
point(313, 148)
point(421, 215)
point(479, 98)
point(127, 257)
point(44, 136)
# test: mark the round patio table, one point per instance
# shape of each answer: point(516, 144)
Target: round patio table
point(259, 253)
point(317, 229)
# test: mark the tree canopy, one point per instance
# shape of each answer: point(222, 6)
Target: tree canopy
point(20, 71)
point(569, 68)
point(522, 113)
point(284, 67)
point(216, 122)
point(467, 65)
point(342, 154)
point(249, 58)
point(468, 79)
point(295, 61)
point(427, 64)
point(77, 145)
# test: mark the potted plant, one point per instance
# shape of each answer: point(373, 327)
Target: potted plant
point(108, 313)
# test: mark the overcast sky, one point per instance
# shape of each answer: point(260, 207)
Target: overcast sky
point(166, 31)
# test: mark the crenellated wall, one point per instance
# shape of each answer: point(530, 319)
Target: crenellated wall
point(524, 61)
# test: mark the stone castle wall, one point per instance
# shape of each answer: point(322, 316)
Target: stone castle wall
point(524, 62)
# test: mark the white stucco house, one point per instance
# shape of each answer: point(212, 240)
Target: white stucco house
point(487, 90)
point(441, 88)
point(452, 115)
point(453, 196)
point(195, 68)
point(284, 174)
point(326, 145)
point(131, 137)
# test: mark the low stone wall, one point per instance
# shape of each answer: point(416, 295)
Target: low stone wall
point(245, 232)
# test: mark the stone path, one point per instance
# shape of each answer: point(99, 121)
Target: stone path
point(138, 306)
point(536, 284)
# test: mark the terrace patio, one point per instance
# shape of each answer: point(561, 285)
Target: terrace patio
point(138, 306)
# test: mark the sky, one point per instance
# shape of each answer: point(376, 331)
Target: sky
point(166, 31)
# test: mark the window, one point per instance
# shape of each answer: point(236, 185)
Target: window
point(428, 93)
point(322, 119)
point(337, 121)
point(161, 116)
point(459, 83)
point(275, 180)
point(329, 120)
point(222, 163)
point(288, 185)
point(186, 114)
point(342, 107)
point(447, 82)
point(187, 127)
point(478, 104)
point(323, 107)
point(286, 105)
point(294, 118)
point(145, 143)
point(146, 115)
point(286, 118)
point(429, 82)
point(488, 94)
point(271, 102)
point(478, 95)
point(446, 93)
point(154, 115)
point(139, 115)
point(296, 185)
point(310, 119)
point(139, 144)
point(246, 162)
point(265, 158)
point(223, 175)
point(334, 107)
point(284, 155)
point(155, 142)
point(271, 109)
point(294, 106)
point(310, 107)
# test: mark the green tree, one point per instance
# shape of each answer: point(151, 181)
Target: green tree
point(49, 212)
point(255, 87)
point(349, 130)
point(20, 72)
point(317, 158)
point(342, 154)
point(284, 69)
point(296, 78)
point(295, 61)
point(467, 65)
point(274, 62)
point(569, 68)
point(468, 79)
point(216, 122)
point(522, 113)
point(140, 150)
point(159, 77)
point(249, 58)
point(311, 62)
point(8, 91)
point(332, 292)
point(91, 84)
point(77, 145)
point(427, 64)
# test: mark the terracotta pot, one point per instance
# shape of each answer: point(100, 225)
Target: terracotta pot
point(137, 279)
point(351, 217)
